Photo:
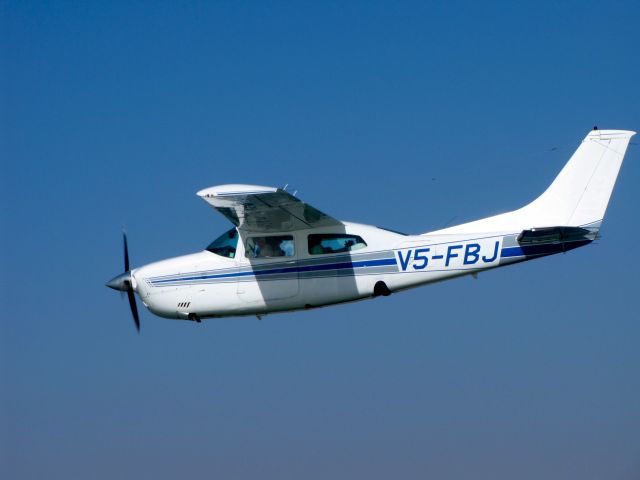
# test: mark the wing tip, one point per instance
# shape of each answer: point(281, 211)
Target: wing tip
point(234, 190)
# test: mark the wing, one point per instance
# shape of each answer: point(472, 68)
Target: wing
point(264, 209)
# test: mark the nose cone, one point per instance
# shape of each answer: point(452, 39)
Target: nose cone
point(122, 282)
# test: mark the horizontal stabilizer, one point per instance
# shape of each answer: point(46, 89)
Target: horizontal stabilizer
point(556, 235)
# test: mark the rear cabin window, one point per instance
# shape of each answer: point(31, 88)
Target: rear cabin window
point(269, 247)
point(323, 243)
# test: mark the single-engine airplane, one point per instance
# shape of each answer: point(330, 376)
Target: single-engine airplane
point(283, 254)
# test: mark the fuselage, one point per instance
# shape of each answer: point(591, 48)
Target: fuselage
point(265, 273)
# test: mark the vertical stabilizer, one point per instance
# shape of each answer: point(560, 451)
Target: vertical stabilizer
point(580, 193)
point(577, 197)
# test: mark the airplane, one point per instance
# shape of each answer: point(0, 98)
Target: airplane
point(284, 255)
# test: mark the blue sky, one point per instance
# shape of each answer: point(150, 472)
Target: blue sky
point(408, 115)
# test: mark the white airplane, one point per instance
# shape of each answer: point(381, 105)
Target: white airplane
point(283, 255)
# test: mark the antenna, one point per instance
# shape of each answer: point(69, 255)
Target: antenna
point(295, 190)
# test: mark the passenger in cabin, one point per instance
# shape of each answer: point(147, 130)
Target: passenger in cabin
point(315, 247)
point(286, 247)
point(263, 248)
point(268, 247)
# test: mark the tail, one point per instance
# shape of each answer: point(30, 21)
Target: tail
point(578, 196)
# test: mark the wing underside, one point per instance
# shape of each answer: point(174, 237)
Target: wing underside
point(264, 209)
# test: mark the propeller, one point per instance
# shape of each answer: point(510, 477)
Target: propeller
point(124, 283)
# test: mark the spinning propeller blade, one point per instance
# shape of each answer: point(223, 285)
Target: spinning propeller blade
point(126, 252)
point(134, 308)
point(124, 283)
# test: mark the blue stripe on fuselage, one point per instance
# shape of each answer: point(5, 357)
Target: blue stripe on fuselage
point(294, 269)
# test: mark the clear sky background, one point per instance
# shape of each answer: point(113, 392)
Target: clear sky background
point(408, 115)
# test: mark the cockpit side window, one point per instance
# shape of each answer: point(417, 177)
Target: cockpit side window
point(268, 247)
point(225, 245)
point(323, 243)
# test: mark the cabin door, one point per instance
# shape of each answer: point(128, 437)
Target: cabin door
point(268, 268)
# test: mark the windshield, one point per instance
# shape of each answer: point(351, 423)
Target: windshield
point(225, 244)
